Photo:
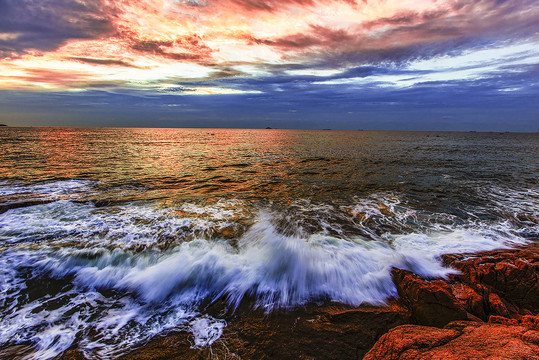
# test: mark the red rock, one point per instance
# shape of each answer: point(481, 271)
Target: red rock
point(531, 322)
point(497, 306)
point(431, 302)
point(409, 341)
point(531, 336)
point(71, 354)
point(512, 274)
point(502, 320)
point(458, 340)
point(472, 301)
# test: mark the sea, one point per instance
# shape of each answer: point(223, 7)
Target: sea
point(110, 236)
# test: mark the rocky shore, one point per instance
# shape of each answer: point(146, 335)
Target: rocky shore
point(489, 310)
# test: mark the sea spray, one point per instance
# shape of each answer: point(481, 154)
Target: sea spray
point(110, 299)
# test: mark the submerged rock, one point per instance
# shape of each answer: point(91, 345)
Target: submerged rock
point(329, 331)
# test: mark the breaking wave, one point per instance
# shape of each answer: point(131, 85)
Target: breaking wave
point(107, 297)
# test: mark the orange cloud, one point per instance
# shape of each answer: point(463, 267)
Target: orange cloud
point(143, 42)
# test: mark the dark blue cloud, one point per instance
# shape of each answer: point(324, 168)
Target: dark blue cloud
point(47, 24)
point(453, 105)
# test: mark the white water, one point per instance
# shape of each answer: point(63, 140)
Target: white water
point(65, 222)
point(107, 294)
point(52, 190)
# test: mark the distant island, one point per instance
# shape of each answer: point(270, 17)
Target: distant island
point(3, 125)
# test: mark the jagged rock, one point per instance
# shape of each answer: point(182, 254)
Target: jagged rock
point(431, 302)
point(531, 322)
point(458, 340)
point(472, 301)
point(513, 275)
point(502, 320)
point(497, 306)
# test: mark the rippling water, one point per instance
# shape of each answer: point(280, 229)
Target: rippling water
point(110, 236)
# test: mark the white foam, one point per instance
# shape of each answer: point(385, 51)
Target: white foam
point(221, 210)
point(159, 291)
point(206, 330)
point(91, 250)
point(51, 189)
point(126, 226)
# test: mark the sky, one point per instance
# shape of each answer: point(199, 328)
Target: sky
point(341, 64)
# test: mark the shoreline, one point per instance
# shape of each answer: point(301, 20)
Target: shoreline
point(497, 292)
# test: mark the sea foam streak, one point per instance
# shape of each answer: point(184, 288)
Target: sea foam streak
point(149, 292)
point(52, 190)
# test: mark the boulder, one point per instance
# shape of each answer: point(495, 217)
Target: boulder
point(471, 300)
point(513, 275)
point(458, 340)
point(431, 302)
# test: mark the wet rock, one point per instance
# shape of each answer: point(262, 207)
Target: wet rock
point(502, 320)
point(174, 346)
point(531, 322)
point(497, 306)
point(513, 275)
point(431, 302)
point(330, 331)
point(22, 204)
point(71, 354)
point(458, 340)
point(17, 352)
point(472, 301)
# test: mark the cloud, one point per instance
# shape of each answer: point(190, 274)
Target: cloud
point(189, 47)
point(276, 5)
point(102, 61)
point(266, 58)
point(316, 37)
point(44, 25)
point(410, 35)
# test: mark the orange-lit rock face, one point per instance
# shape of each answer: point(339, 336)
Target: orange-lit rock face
point(458, 340)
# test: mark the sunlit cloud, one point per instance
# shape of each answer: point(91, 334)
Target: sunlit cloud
point(136, 42)
point(312, 48)
point(466, 66)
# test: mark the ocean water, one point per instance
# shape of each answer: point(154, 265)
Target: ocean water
point(111, 236)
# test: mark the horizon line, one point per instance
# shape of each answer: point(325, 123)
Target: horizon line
point(266, 128)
